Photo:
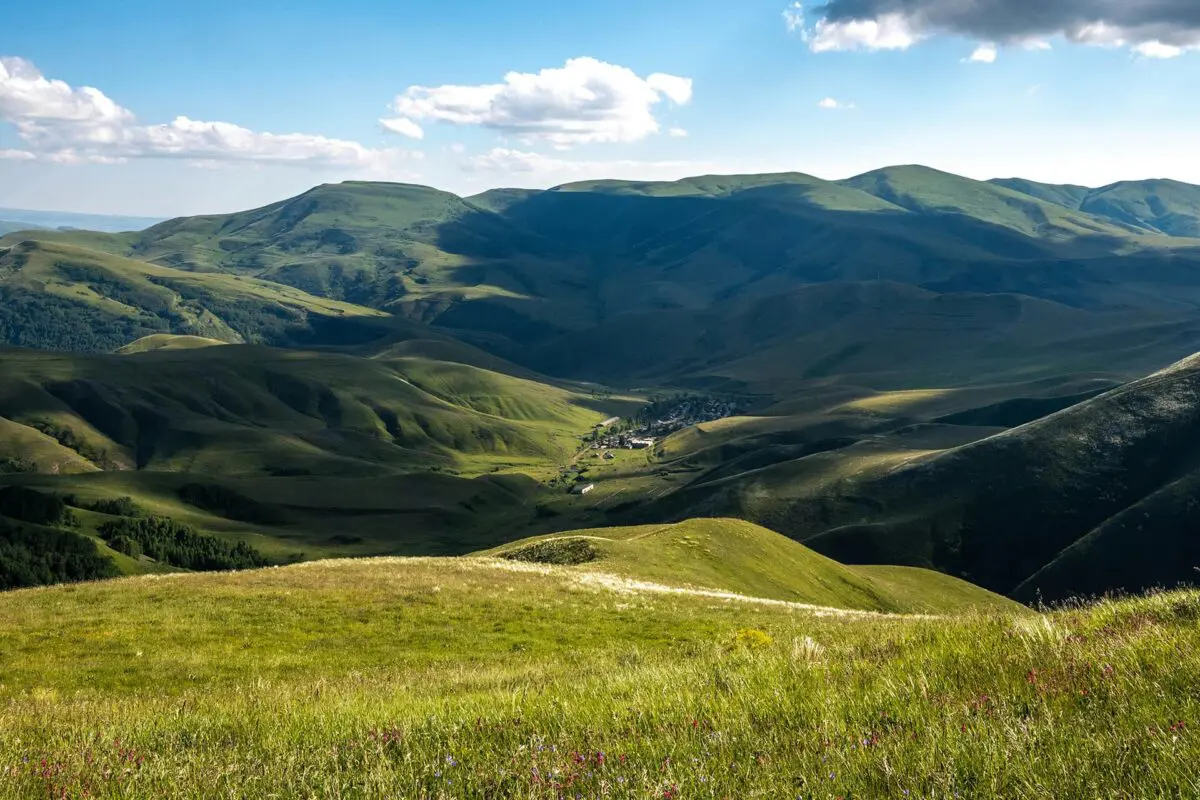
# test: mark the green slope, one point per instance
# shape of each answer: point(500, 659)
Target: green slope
point(251, 410)
point(1164, 207)
point(740, 557)
point(926, 190)
point(59, 296)
point(167, 341)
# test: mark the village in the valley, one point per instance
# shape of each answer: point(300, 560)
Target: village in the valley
point(650, 426)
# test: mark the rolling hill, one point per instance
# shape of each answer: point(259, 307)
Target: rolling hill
point(734, 556)
point(244, 410)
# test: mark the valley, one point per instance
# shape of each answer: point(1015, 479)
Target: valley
point(386, 369)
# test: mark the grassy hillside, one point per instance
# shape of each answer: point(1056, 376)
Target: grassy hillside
point(926, 190)
point(486, 677)
point(735, 556)
point(1158, 206)
point(252, 410)
point(167, 341)
point(63, 297)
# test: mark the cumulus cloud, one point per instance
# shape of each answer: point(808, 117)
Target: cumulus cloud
point(677, 133)
point(584, 101)
point(68, 125)
point(833, 104)
point(1152, 28)
point(984, 54)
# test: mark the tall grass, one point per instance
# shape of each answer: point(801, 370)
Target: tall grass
point(507, 683)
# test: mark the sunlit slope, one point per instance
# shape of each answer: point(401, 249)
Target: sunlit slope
point(168, 341)
point(925, 190)
point(735, 556)
point(63, 297)
point(1158, 206)
point(252, 410)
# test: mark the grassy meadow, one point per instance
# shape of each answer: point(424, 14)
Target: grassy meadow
point(489, 678)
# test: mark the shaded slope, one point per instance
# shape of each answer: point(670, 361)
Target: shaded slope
point(999, 510)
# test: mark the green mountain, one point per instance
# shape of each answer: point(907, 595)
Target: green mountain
point(516, 271)
point(1156, 206)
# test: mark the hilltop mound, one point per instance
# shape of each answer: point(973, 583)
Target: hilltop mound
point(167, 341)
point(735, 556)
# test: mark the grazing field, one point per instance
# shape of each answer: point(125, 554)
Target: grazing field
point(489, 678)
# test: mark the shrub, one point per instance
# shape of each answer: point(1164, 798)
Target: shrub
point(752, 639)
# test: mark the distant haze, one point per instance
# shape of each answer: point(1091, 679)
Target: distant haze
point(66, 219)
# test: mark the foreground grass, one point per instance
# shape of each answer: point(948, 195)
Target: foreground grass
point(475, 678)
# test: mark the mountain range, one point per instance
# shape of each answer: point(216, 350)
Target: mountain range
point(930, 370)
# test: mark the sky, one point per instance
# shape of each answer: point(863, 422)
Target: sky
point(165, 109)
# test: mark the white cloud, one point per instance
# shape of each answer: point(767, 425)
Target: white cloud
point(1157, 49)
point(404, 127)
point(984, 54)
point(677, 133)
point(67, 125)
point(888, 32)
point(16, 155)
point(833, 104)
point(584, 101)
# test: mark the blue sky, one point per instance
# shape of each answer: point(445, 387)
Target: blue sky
point(183, 97)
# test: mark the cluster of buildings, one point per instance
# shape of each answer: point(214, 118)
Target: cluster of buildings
point(657, 421)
